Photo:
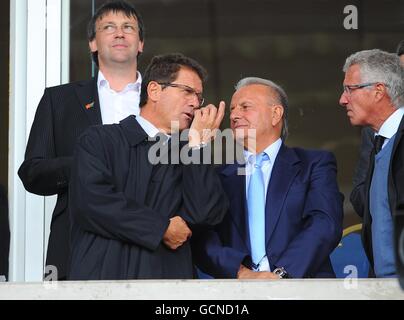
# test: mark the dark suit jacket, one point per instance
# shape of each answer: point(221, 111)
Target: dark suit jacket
point(395, 188)
point(61, 117)
point(4, 233)
point(357, 196)
point(121, 203)
point(303, 218)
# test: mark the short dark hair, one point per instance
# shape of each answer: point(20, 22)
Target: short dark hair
point(400, 48)
point(115, 7)
point(165, 68)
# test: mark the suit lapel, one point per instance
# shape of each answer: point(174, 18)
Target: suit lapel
point(235, 186)
point(87, 93)
point(283, 173)
point(391, 186)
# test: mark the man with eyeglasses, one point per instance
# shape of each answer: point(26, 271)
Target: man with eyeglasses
point(373, 96)
point(366, 146)
point(132, 217)
point(116, 37)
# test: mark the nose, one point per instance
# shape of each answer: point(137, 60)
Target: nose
point(195, 101)
point(119, 32)
point(234, 114)
point(343, 100)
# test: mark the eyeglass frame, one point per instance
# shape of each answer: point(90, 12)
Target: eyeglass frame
point(350, 87)
point(115, 28)
point(186, 88)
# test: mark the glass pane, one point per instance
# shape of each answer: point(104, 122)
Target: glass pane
point(299, 44)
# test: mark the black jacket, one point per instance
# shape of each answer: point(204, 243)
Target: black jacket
point(120, 205)
point(63, 114)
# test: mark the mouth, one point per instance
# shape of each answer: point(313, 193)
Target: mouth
point(239, 126)
point(188, 115)
point(119, 46)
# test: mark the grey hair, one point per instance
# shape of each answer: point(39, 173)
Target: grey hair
point(380, 66)
point(282, 98)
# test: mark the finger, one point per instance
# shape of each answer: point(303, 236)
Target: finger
point(205, 113)
point(220, 114)
point(212, 114)
point(197, 114)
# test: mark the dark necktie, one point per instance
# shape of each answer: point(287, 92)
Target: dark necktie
point(378, 143)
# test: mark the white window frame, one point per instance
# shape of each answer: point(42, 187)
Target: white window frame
point(39, 58)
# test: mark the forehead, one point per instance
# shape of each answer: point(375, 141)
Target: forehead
point(254, 92)
point(190, 78)
point(113, 16)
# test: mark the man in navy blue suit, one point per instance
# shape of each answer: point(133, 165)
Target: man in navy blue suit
point(285, 215)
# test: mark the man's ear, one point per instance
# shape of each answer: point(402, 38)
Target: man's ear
point(380, 91)
point(277, 114)
point(141, 46)
point(93, 46)
point(153, 91)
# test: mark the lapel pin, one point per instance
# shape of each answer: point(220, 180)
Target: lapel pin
point(90, 105)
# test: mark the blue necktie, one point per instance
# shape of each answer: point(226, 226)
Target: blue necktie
point(256, 209)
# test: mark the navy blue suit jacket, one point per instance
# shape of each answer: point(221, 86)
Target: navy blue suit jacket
point(304, 213)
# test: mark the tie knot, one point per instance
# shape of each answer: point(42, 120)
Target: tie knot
point(378, 143)
point(258, 159)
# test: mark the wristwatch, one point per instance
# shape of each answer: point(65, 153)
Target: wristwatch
point(281, 273)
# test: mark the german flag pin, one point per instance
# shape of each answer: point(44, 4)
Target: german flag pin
point(90, 105)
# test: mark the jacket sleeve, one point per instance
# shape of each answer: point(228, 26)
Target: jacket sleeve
point(213, 257)
point(205, 202)
point(322, 216)
point(42, 172)
point(98, 207)
point(358, 194)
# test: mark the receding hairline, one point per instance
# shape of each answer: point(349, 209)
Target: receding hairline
point(273, 94)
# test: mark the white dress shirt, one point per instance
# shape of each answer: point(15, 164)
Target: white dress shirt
point(267, 166)
point(390, 126)
point(116, 106)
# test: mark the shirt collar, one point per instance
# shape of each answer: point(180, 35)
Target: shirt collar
point(272, 151)
point(135, 86)
point(390, 126)
point(148, 127)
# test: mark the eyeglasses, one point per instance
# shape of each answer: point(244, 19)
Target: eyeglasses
point(111, 28)
point(349, 88)
point(187, 89)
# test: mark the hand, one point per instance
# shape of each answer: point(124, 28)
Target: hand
point(177, 233)
point(206, 122)
point(245, 273)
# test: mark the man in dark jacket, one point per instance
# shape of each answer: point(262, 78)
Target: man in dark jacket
point(357, 195)
point(132, 217)
point(115, 36)
point(372, 96)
